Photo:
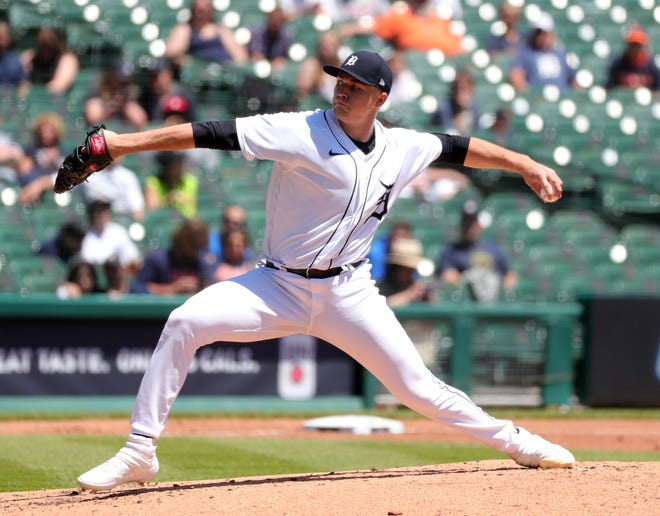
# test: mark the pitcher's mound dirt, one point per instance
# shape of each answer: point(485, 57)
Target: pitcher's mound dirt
point(490, 487)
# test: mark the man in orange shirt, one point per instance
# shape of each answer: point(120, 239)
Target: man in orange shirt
point(411, 25)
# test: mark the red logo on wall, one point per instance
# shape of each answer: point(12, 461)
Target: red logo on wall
point(297, 374)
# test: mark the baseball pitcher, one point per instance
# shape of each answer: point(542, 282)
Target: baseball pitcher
point(336, 174)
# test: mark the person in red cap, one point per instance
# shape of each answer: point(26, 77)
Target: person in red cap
point(163, 96)
point(635, 67)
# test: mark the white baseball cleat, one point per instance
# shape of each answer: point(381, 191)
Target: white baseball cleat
point(128, 465)
point(536, 452)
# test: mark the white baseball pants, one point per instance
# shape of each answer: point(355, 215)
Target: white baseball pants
point(346, 311)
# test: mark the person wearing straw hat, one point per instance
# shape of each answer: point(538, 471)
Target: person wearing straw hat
point(402, 284)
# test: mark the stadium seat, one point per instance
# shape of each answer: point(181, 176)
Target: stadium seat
point(622, 198)
point(640, 234)
point(572, 287)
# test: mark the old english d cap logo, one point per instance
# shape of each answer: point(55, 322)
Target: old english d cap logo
point(367, 67)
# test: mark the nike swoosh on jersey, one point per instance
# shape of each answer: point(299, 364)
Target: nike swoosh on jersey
point(333, 153)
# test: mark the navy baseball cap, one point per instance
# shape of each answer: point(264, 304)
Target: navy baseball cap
point(367, 67)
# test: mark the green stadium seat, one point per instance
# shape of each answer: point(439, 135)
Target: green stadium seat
point(621, 198)
point(573, 286)
point(522, 202)
point(454, 294)
point(159, 225)
point(303, 32)
point(579, 219)
point(39, 283)
point(640, 234)
point(27, 16)
point(588, 254)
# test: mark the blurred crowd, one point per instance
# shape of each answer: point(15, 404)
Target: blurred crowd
point(97, 249)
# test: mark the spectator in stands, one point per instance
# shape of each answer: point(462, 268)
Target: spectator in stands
point(32, 192)
point(44, 155)
point(12, 73)
point(204, 38)
point(115, 97)
point(269, 49)
point(459, 112)
point(501, 129)
point(437, 184)
point(541, 59)
point(172, 187)
point(50, 62)
point(479, 263)
point(66, 244)
point(235, 255)
point(635, 66)
point(11, 154)
point(380, 248)
point(184, 267)
point(233, 217)
point(413, 25)
point(506, 41)
point(107, 244)
point(82, 278)
point(311, 79)
point(163, 95)
point(271, 40)
point(405, 85)
point(294, 9)
point(176, 110)
point(119, 186)
point(339, 11)
point(448, 8)
point(342, 11)
point(402, 284)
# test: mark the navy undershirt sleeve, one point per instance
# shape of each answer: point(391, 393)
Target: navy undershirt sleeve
point(216, 135)
point(454, 148)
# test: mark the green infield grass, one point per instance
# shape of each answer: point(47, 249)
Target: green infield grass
point(32, 462)
point(54, 461)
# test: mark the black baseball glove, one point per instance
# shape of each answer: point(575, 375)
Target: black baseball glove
point(88, 157)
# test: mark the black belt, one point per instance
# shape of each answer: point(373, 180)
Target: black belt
point(314, 273)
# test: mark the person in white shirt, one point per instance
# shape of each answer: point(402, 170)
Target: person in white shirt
point(405, 85)
point(120, 187)
point(107, 244)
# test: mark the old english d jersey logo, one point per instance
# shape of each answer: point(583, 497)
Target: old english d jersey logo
point(383, 201)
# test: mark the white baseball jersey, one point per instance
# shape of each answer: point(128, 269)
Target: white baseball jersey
point(326, 197)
